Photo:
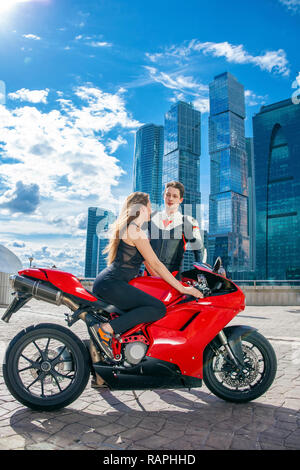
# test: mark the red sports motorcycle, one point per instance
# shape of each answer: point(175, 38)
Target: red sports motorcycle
point(47, 366)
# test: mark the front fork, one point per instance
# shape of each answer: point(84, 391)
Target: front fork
point(225, 343)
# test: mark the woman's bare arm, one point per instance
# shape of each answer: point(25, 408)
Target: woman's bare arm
point(140, 240)
point(150, 270)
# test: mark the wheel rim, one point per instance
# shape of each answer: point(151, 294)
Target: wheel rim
point(243, 378)
point(45, 366)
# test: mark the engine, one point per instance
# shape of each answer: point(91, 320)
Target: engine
point(134, 352)
point(135, 349)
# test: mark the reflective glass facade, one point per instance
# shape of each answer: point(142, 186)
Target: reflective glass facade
point(182, 148)
point(251, 201)
point(276, 132)
point(181, 162)
point(96, 240)
point(148, 158)
point(228, 203)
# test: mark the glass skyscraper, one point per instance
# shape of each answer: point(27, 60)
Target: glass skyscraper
point(251, 201)
point(96, 240)
point(228, 202)
point(148, 158)
point(182, 149)
point(276, 132)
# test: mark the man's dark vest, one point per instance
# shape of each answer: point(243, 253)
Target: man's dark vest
point(169, 245)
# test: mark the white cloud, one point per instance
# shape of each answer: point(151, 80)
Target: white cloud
point(63, 151)
point(176, 81)
point(114, 144)
point(32, 36)
point(252, 99)
point(202, 104)
point(56, 164)
point(272, 61)
point(99, 44)
point(185, 87)
point(293, 5)
point(93, 41)
point(32, 96)
point(66, 256)
point(103, 111)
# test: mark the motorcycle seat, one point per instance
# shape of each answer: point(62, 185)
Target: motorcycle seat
point(113, 309)
point(105, 306)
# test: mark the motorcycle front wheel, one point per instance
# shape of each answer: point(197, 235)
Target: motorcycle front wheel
point(247, 382)
point(46, 367)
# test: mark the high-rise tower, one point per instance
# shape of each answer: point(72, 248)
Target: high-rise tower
point(228, 202)
point(182, 149)
point(251, 202)
point(96, 240)
point(148, 158)
point(276, 133)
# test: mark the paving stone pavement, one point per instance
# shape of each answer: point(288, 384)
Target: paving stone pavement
point(162, 419)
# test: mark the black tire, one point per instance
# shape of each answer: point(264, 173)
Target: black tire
point(52, 388)
point(224, 381)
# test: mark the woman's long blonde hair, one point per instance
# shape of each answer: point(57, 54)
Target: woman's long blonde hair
point(130, 211)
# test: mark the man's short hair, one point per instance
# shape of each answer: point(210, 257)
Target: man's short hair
point(177, 185)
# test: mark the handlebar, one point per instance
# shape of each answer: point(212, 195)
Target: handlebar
point(204, 290)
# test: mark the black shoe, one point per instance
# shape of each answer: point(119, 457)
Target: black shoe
point(105, 341)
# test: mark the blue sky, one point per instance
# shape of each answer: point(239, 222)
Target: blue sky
point(79, 77)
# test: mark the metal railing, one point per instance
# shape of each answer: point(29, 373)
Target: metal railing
point(269, 283)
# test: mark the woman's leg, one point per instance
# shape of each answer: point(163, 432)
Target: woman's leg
point(140, 307)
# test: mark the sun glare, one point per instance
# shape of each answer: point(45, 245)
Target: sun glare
point(7, 5)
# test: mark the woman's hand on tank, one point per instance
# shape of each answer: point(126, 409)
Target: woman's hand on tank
point(192, 291)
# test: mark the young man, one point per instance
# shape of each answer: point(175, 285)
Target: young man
point(170, 231)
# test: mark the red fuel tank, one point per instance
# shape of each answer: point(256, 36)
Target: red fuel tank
point(157, 287)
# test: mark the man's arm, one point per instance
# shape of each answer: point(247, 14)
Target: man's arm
point(193, 236)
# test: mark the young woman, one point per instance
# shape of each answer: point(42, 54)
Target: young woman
point(128, 248)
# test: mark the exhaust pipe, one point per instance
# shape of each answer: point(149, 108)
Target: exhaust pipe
point(41, 291)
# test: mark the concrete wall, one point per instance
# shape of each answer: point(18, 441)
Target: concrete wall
point(271, 295)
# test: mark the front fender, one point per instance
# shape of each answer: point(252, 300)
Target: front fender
point(234, 334)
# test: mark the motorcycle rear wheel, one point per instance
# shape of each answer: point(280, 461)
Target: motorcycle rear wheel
point(224, 380)
point(46, 367)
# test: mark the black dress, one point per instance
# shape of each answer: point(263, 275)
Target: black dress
point(112, 286)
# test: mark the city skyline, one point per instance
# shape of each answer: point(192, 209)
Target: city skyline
point(77, 82)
